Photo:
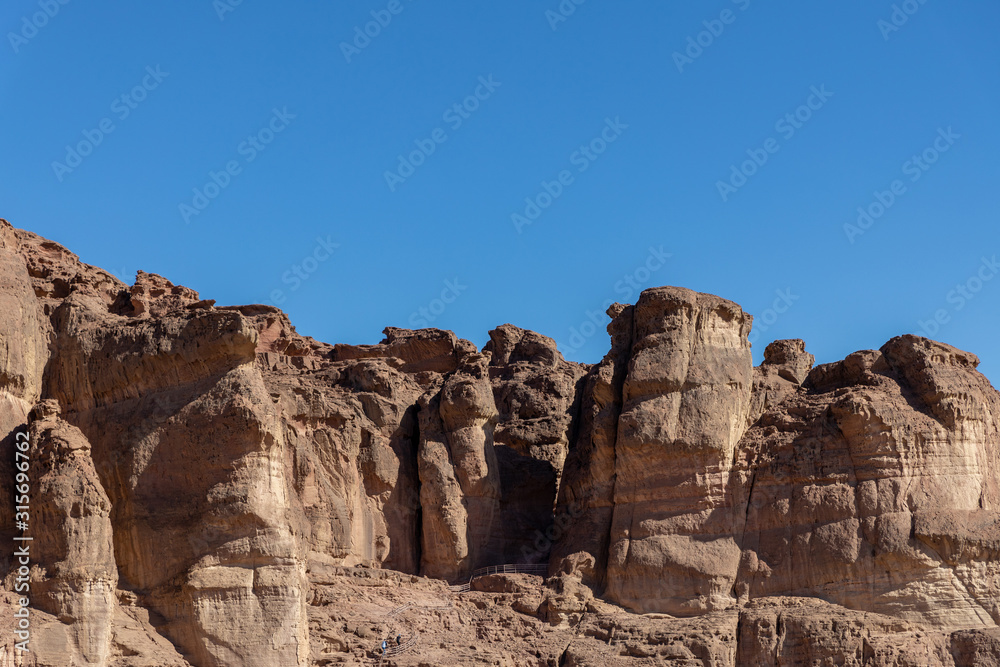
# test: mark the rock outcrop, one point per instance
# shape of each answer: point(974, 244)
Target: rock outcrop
point(856, 482)
point(459, 476)
point(684, 403)
point(23, 353)
point(74, 554)
point(537, 394)
point(785, 367)
point(210, 488)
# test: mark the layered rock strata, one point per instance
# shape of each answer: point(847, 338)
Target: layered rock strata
point(209, 487)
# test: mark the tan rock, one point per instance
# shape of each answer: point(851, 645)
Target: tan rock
point(186, 444)
point(840, 477)
point(805, 631)
point(685, 400)
point(431, 350)
point(587, 493)
point(976, 648)
point(23, 353)
point(537, 394)
point(155, 296)
point(790, 359)
point(76, 576)
point(215, 489)
point(459, 475)
point(785, 367)
point(23, 350)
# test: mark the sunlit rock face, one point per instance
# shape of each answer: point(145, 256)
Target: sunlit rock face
point(877, 488)
point(211, 488)
point(685, 401)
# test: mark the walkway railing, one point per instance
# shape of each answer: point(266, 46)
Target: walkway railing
point(397, 649)
point(540, 569)
point(399, 610)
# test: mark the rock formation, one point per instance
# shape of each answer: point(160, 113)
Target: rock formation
point(877, 489)
point(210, 488)
point(458, 472)
point(684, 405)
point(537, 394)
point(75, 550)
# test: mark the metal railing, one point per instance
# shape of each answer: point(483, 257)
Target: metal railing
point(398, 649)
point(399, 610)
point(540, 569)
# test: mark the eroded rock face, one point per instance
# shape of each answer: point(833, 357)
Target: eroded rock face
point(586, 500)
point(181, 456)
point(785, 367)
point(976, 648)
point(537, 394)
point(196, 483)
point(75, 550)
point(856, 482)
point(685, 398)
point(459, 476)
point(212, 488)
point(23, 353)
point(807, 631)
point(350, 430)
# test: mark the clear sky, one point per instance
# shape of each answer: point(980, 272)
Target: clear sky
point(463, 165)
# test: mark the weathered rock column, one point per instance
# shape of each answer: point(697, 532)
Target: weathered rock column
point(460, 483)
point(71, 526)
point(685, 403)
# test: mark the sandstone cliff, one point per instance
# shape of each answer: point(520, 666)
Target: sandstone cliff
point(210, 488)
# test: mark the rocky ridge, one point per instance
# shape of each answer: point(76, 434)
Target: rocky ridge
point(210, 488)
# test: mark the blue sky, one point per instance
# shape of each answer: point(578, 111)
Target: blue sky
point(268, 153)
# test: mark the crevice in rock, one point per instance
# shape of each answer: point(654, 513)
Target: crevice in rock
point(564, 656)
point(418, 510)
point(749, 501)
point(779, 631)
point(574, 432)
point(739, 638)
